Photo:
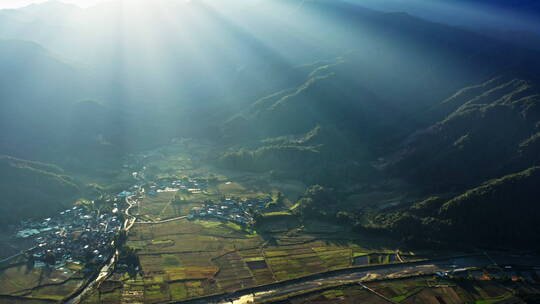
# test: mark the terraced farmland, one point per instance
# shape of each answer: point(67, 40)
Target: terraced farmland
point(159, 207)
point(39, 284)
point(430, 290)
point(188, 259)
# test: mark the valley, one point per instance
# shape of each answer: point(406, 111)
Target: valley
point(174, 250)
point(269, 151)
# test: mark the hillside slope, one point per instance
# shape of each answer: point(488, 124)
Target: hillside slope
point(481, 132)
point(32, 189)
point(501, 213)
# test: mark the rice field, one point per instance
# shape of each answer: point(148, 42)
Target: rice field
point(428, 290)
point(188, 259)
point(39, 283)
point(159, 207)
point(185, 259)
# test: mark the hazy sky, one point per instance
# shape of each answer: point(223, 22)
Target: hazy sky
point(21, 3)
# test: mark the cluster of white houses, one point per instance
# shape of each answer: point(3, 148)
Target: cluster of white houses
point(230, 209)
point(78, 234)
point(188, 185)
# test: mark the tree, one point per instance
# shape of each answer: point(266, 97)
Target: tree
point(121, 237)
point(316, 202)
point(30, 261)
point(344, 217)
point(50, 258)
point(129, 257)
point(257, 218)
point(271, 205)
point(280, 198)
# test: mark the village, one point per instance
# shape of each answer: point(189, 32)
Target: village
point(90, 236)
point(186, 185)
point(80, 235)
point(239, 211)
point(230, 209)
point(84, 234)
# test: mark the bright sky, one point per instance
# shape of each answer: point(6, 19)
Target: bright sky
point(21, 3)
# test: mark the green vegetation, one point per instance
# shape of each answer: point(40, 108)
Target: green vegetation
point(482, 132)
point(163, 205)
point(501, 211)
point(427, 290)
point(185, 259)
point(28, 188)
point(267, 158)
point(275, 221)
point(317, 201)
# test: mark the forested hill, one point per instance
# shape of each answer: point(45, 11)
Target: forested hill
point(481, 132)
point(32, 189)
point(501, 213)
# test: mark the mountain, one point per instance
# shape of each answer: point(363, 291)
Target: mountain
point(523, 39)
point(149, 85)
point(35, 89)
point(50, 12)
point(476, 164)
point(485, 131)
point(32, 189)
point(500, 213)
point(369, 98)
point(530, 6)
point(327, 92)
point(42, 110)
point(519, 15)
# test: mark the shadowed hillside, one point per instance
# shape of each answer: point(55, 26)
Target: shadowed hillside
point(484, 131)
point(32, 189)
point(500, 213)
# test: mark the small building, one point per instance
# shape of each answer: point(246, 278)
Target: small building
point(23, 234)
point(124, 194)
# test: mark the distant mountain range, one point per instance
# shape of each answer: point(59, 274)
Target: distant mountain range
point(370, 79)
point(519, 15)
point(530, 6)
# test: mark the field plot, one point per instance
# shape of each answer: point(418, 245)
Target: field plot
point(343, 295)
point(427, 290)
point(184, 259)
point(23, 301)
point(233, 272)
point(17, 280)
point(159, 207)
point(293, 261)
point(433, 291)
point(56, 292)
point(233, 189)
point(188, 259)
point(39, 283)
point(258, 266)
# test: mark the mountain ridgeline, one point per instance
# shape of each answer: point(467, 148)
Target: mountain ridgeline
point(484, 131)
